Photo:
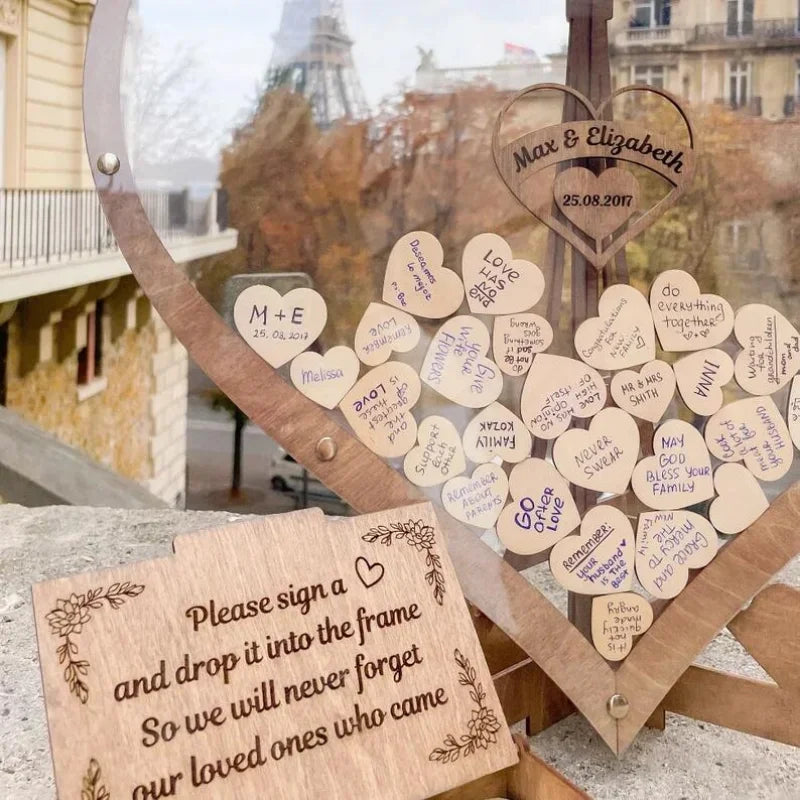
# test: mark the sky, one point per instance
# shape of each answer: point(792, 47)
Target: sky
point(232, 40)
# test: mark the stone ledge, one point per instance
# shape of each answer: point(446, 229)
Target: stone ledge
point(688, 760)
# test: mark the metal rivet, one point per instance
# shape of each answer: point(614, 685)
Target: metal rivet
point(326, 449)
point(618, 706)
point(108, 163)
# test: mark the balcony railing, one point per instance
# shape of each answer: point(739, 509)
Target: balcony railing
point(763, 30)
point(48, 226)
point(660, 35)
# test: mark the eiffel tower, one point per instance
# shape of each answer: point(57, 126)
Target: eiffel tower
point(313, 57)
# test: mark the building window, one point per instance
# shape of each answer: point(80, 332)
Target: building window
point(651, 13)
point(740, 17)
point(650, 75)
point(90, 357)
point(739, 84)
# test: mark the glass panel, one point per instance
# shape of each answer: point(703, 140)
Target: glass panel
point(747, 17)
point(733, 18)
point(643, 15)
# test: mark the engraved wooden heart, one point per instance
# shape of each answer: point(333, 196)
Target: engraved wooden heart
point(368, 483)
point(741, 499)
point(529, 155)
point(598, 204)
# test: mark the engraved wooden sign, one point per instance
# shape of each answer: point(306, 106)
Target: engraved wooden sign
point(284, 657)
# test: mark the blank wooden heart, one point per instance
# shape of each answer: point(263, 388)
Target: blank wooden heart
point(741, 499)
point(616, 619)
point(701, 377)
point(556, 390)
point(793, 412)
point(679, 474)
point(752, 430)
point(598, 204)
point(668, 545)
point(279, 328)
point(415, 280)
point(439, 455)
point(383, 331)
point(543, 510)
point(622, 335)
point(378, 408)
point(517, 338)
point(325, 379)
point(600, 559)
point(497, 432)
point(477, 500)
point(494, 281)
point(771, 354)
point(456, 365)
point(645, 394)
point(602, 457)
point(684, 318)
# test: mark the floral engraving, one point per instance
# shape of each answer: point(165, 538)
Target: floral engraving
point(92, 788)
point(416, 534)
point(67, 620)
point(482, 727)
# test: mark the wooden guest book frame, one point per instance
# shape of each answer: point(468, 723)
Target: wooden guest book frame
point(544, 668)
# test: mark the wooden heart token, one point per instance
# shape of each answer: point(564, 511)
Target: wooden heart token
point(793, 412)
point(279, 328)
point(679, 473)
point(668, 545)
point(741, 499)
point(383, 331)
point(684, 318)
point(752, 430)
point(378, 408)
point(456, 366)
point(771, 354)
point(622, 335)
point(494, 281)
point(602, 457)
point(497, 432)
point(543, 510)
point(701, 377)
point(600, 559)
point(645, 394)
point(325, 379)
point(477, 500)
point(517, 338)
point(556, 390)
point(415, 280)
point(616, 619)
point(439, 455)
point(598, 204)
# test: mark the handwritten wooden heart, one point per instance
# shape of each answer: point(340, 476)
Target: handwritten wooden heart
point(622, 335)
point(519, 161)
point(793, 412)
point(298, 424)
point(325, 379)
point(477, 500)
point(558, 389)
point(684, 318)
point(497, 432)
point(439, 455)
point(517, 338)
point(752, 430)
point(616, 620)
point(417, 282)
point(679, 474)
point(383, 331)
point(701, 377)
point(494, 281)
point(543, 510)
point(598, 204)
point(741, 499)
point(668, 545)
point(279, 328)
point(645, 394)
point(456, 365)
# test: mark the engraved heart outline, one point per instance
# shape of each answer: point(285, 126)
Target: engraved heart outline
point(599, 258)
point(745, 565)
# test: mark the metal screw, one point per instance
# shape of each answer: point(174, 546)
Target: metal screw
point(618, 706)
point(326, 449)
point(108, 163)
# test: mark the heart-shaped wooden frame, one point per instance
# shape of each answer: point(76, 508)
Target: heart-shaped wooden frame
point(659, 659)
point(504, 162)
